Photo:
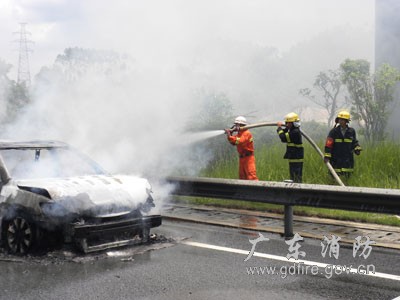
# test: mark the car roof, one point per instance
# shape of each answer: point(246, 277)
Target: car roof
point(36, 144)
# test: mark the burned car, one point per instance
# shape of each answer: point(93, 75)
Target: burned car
point(50, 190)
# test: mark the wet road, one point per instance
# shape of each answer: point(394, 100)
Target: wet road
point(193, 261)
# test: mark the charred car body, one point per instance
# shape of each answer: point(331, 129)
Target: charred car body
point(48, 189)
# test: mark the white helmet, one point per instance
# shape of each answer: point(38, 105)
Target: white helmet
point(241, 120)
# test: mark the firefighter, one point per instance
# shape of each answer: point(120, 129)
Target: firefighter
point(243, 140)
point(291, 135)
point(340, 145)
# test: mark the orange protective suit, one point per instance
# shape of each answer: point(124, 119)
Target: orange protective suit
point(245, 147)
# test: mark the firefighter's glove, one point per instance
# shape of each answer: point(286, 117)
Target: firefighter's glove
point(280, 124)
point(326, 159)
point(228, 132)
point(357, 150)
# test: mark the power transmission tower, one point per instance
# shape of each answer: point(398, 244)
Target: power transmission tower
point(24, 75)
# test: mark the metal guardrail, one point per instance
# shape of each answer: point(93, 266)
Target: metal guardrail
point(361, 199)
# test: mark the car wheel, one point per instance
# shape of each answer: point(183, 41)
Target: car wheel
point(19, 235)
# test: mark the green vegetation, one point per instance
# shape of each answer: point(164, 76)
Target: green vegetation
point(371, 95)
point(13, 96)
point(377, 166)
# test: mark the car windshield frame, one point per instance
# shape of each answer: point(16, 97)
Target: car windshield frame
point(35, 161)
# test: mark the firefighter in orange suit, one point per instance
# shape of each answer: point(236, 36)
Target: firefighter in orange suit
point(243, 140)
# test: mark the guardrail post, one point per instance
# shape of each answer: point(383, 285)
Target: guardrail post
point(288, 215)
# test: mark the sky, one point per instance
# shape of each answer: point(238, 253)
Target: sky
point(257, 52)
point(157, 29)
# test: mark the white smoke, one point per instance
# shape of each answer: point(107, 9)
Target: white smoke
point(131, 120)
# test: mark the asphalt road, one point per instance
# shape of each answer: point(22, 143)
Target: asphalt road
point(196, 261)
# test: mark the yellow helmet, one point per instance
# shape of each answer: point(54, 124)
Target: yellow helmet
point(292, 117)
point(344, 114)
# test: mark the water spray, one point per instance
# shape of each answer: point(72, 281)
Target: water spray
point(307, 137)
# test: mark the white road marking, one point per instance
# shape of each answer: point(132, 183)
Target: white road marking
point(283, 258)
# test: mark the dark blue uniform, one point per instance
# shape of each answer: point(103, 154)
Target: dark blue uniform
point(339, 148)
point(294, 151)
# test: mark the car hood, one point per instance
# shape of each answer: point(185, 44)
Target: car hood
point(99, 194)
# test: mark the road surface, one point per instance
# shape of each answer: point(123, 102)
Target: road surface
point(198, 261)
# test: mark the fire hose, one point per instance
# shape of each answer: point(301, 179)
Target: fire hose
point(313, 144)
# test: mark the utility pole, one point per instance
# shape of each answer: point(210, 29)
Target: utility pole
point(24, 75)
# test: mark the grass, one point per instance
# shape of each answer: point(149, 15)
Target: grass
point(378, 166)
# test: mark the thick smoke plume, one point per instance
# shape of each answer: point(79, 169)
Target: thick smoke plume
point(131, 116)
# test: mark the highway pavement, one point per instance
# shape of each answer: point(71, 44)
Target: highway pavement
point(199, 261)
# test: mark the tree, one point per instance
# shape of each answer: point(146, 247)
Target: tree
point(18, 99)
point(5, 88)
point(13, 97)
point(370, 95)
point(330, 84)
point(215, 112)
point(76, 62)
